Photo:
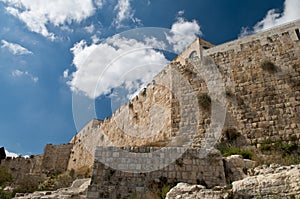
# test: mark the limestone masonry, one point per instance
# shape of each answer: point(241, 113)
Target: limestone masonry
point(111, 183)
point(250, 86)
point(263, 105)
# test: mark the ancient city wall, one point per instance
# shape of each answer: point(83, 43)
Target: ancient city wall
point(79, 149)
point(56, 158)
point(198, 46)
point(261, 75)
point(21, 166)
point(110, 183)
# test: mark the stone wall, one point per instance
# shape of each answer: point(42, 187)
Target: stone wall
point(56, 158)
point(198, 46)
point(54, 161)
point(111, 183)
point(21, 166)
point(261, 75)
point(79, 149)
point(263, 100)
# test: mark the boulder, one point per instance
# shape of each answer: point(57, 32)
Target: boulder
point(236, 168)
point(187, 191)
point(273, 181)
point(77, 190)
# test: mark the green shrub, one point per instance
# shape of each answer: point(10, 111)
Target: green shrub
point(5, 176)
point(27, 184)
point(164, 190)
point(5, 195)
point(279, 152)
point(229, 150)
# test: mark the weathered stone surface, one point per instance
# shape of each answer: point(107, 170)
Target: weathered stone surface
point(190, 168)
point(76, 191)
point(236, 168)
point(263, 106)
point(186, 191)
point(274, 181)
point(258, 110)
point(56, 158)
point(20, 166)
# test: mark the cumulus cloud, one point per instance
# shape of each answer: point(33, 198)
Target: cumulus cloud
point(125, 63)
point(66, 73)
point(273, 18)
point(19, 73)
point(37, 15)
point(99, 3)
point(117, 62)
point(14, 48)
point(183, 33)
point(125, 12)
point(90, 28)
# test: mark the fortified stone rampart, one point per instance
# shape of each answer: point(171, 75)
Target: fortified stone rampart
point(21, 166)
point(110, 183)
point(56, 158)
point(54, 161)
point(261, 75)
point(79, 149)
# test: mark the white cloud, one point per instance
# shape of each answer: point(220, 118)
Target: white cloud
point(95, 39)
point(124, 63)
point(183, 33)
point(66, 73)
point(37, 14)
point(131, 64)
point(291, 12)
point(19, 73)
point(15, 155)
point(125, 12)
point(180, 13)
point(14, 48)
point(90, 29)
point(99, 3)
point(10, 154)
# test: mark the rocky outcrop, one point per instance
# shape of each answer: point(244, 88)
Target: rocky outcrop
point(276, 180)
point(76, 191)
point(186, 191)
point(237, 168)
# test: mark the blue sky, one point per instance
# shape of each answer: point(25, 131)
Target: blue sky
point(44, 47)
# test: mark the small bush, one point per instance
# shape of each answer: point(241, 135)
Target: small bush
point(27, 184)
point(204, 100)
point(5, 195)
point(5, 176)
point(228, 150)
point(268, 66)
point(164, 190)
point(279, 152)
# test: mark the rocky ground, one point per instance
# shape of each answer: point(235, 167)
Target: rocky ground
point(77, 190)
point(272, 181)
